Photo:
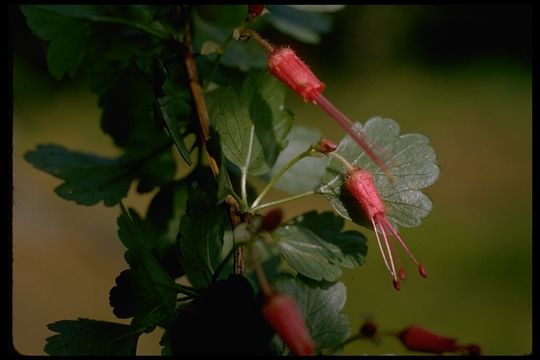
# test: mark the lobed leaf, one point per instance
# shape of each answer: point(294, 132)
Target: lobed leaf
point(201, 238)
point(151, 291)
point(314, 245)
point(91, 337)
point(88, 179)
point(253, 123)
point(412, 162)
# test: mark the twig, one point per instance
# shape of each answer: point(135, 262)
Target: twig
point(198, 99)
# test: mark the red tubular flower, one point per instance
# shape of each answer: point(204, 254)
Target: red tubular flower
point(416, 338)
point(361, 185)
point(293, 72)
point(282, 313)
point(286, 66)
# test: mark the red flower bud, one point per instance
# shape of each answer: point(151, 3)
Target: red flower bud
point(283, 314)
point(325, 146)
point(416, 338)
point(255, 10)
point(293, 72)
point(271, 220)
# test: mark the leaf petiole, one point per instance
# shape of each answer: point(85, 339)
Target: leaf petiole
point(285, 200)
point(309, 152)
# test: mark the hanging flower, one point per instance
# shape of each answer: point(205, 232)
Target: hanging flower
point(361, 185)
point(282, 313)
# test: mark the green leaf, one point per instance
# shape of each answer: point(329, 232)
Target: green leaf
point(321, 307)
point(306, 174)
point(91, 337)
point(157, 172)
point(201, 238)
point(315, 247)
point(67, 37)
point(349, 248)
point(89, 179)
point(167, 208)
point(305, 26)
point(128, 113)
point(134, 232)
point(175, 111)
point(253, 123)
point(156, 294)
point(153, 290)
point(412, 161)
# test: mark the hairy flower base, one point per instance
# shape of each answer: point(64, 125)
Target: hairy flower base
point(361, 185)
point(283, 314)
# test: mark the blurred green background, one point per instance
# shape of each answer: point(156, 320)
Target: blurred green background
point(459, 74)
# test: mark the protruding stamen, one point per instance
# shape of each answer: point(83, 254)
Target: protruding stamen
point(384, 221)
point(422, 270)
point(395, 282)
point(380, 246)
point(388, 247)
point(402, 274)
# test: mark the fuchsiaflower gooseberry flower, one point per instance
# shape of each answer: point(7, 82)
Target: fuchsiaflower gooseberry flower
point(281, 311)
point(360, 183)
point(287, 67)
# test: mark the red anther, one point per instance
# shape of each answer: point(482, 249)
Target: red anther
point(293, 72)
point(271, 220)
point(416, 338)
point(255, 10)
point(395, 282)
point(402, 273)
point(422, 270)
point(325, 146)
point(282, 313)
point(369, 329)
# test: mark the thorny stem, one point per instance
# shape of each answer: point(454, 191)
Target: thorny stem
point(250, 34)
point(310, 151)
point(198, 99)
point(285, 200)
point(237, 217)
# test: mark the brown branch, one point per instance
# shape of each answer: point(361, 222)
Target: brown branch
point(237, 217)
point(198, 99)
